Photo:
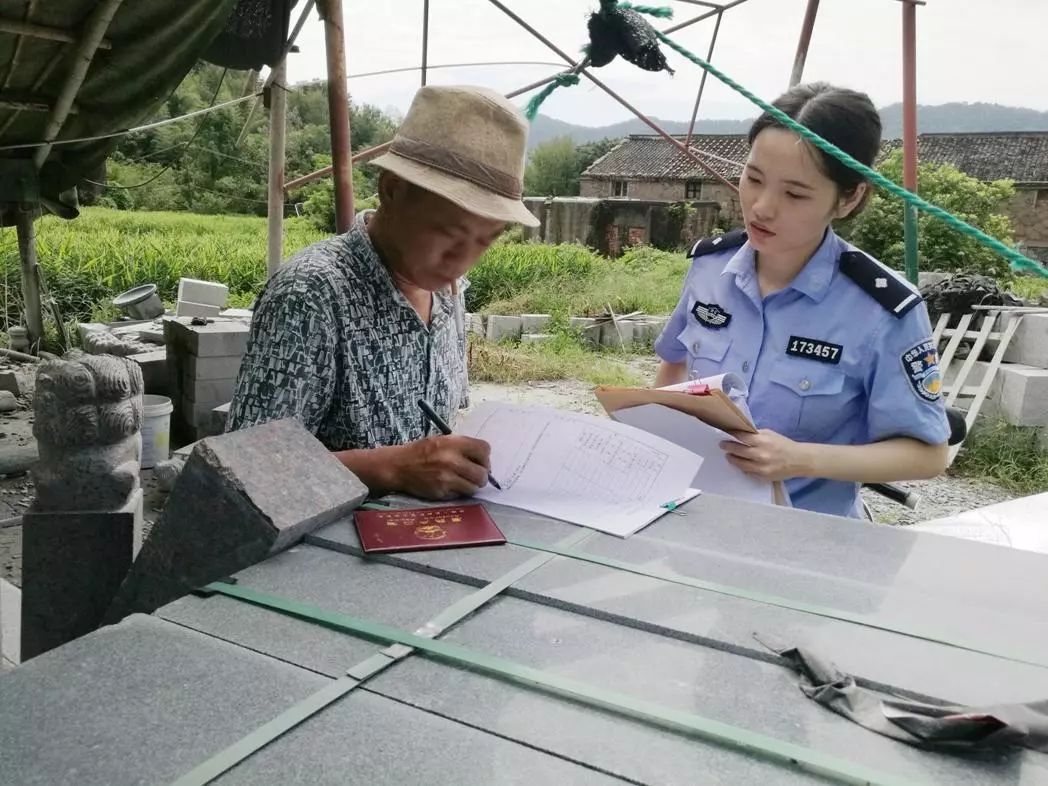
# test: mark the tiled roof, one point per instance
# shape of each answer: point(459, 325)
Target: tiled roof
point(1018, 156)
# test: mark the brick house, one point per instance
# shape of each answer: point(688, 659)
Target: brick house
point(648, 167)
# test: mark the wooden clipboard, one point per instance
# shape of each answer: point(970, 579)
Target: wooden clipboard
point(714, 408)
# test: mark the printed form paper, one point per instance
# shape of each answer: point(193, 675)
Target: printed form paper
point(716, 475)
point(580, 468)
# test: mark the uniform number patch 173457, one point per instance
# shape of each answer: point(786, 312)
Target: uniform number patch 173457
point(823, 351)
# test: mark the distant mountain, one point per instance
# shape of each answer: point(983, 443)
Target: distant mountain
point(956, 117)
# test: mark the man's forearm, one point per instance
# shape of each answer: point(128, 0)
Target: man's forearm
point(376, 467)
point(671, 374)
point(880, 462)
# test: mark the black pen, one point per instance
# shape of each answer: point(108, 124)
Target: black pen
point(445, 429)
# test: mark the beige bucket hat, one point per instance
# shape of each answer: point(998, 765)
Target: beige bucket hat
point(466, 144)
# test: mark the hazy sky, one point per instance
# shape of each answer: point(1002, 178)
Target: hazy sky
point(968, 50)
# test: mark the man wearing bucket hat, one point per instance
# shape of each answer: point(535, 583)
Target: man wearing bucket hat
point(352, 331)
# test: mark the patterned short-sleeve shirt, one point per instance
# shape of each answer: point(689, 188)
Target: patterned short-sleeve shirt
point(336, 345)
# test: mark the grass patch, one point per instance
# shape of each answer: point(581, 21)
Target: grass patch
point(1029, 288)
point(560, 358)
point(1012, 456)
point(643, 279)
point(85, 262)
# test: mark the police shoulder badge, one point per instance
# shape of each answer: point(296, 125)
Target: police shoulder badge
point(710, 314)
point(921, 364)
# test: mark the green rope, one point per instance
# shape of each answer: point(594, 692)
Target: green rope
point(1017, 260)
point(650, 10)
point(567, 79)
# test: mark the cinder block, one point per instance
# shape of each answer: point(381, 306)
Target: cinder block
point(588, 329)
point(616, 335)
point(154, 370)
point(208, 293)
point(501, 328)
point(85, 328)
point(9, 381)
point(72, 566)
point(187, 308)
point(215, 339)
point(242, 497)
point(210, 390)
point(927, 278)
point(534, 323)
point(1021, 395)
point(153, 334)
point(535, 338)
point(1029, 345)
point(196, 368)
point(647, 330)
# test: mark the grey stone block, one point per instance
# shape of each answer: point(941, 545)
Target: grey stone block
point(534, 323)
point(219, 416)
point(211, 368)
point(930, 278)
point(535, 338)
point(10, 622)
point(501, 328)
point(154, 370)
point(142, 702)
point(475, 324)
point(213, 390)
point(646, 331)
point(240, 498)
point(588, 329)
point(186, 308)
point(617, 335)
point(198, 413)
point(205, 292)
point(72, 566)
point(1029, 345)
point(8, 402)
point(1021, 393)
point(237, 313)
point(215, 339)
point(9, 382)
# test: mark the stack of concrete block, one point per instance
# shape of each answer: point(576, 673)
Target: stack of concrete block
point(203, 361)
point(200, 298)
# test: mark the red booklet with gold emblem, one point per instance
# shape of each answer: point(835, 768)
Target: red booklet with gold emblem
point(413, 529)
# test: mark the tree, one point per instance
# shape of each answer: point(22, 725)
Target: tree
point(879, 229)
point(556, 166)
point(552, 169)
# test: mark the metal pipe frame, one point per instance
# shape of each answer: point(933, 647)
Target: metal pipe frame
point(909, 132)
point(275, 195)
point(702, 81)
point(425, 40)
point(801, 57)
point(640, 115)
point(338, 112)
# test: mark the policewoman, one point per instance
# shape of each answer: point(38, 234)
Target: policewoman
point(835, 347)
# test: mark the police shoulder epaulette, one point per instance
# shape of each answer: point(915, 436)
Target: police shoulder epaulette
point(708, 245)
point(880, 283)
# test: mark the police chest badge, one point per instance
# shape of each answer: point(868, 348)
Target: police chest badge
point(710, 314)
point(921, 364)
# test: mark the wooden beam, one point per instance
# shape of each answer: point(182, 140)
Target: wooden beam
point(83, 54)
point(26, 102)
point(31, 30)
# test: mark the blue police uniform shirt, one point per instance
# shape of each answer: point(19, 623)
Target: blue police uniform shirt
point(842, 356)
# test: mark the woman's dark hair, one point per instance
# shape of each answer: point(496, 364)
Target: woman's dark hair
point(844, 117)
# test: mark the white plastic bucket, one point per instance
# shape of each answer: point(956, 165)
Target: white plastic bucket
point(156, 429)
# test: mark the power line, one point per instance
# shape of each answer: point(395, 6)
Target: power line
point(126, 131)
point(177, 160)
